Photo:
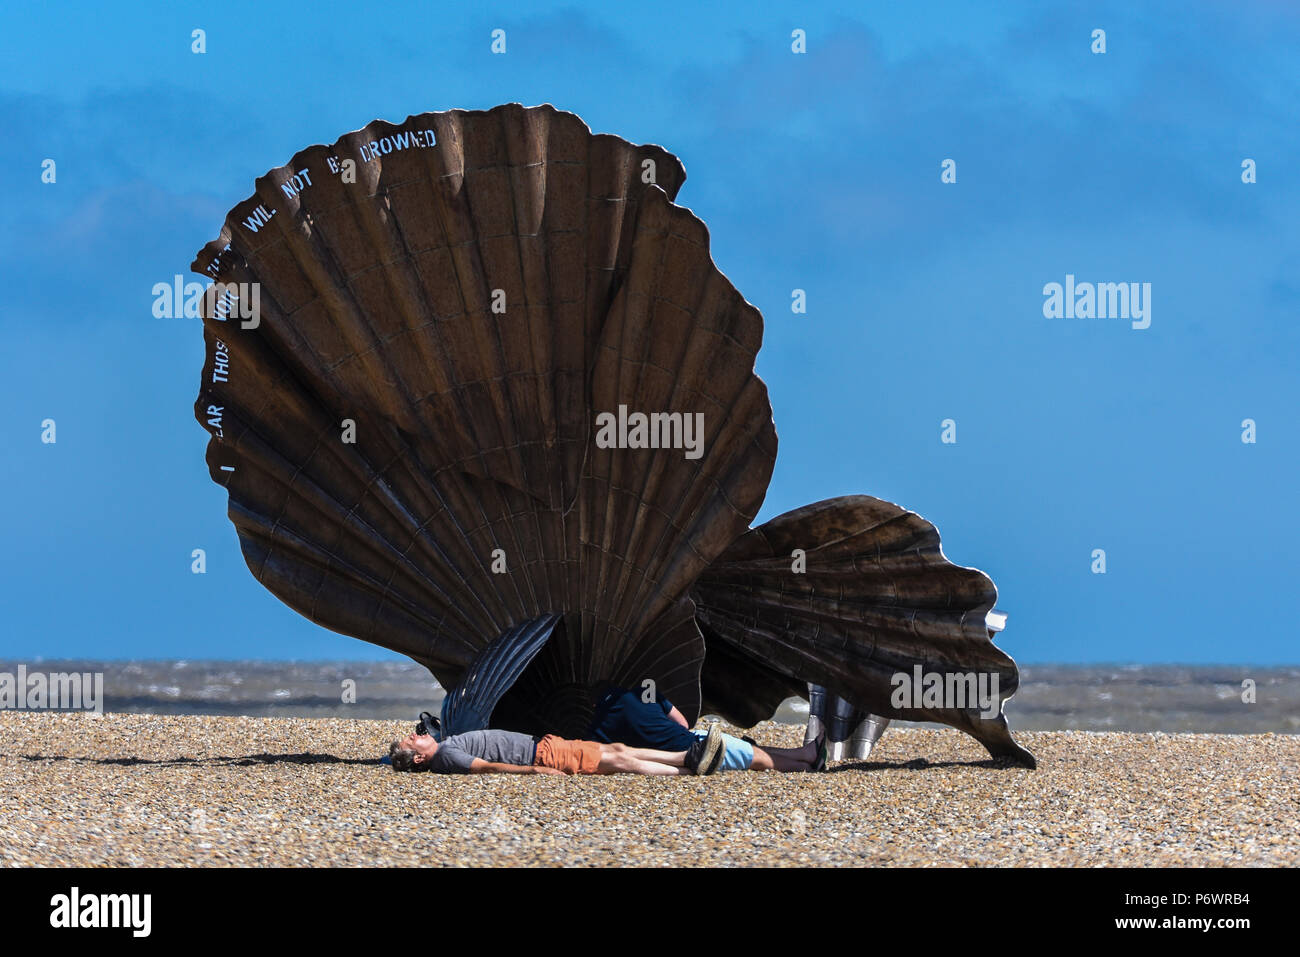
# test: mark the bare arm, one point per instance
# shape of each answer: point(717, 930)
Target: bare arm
point(678, 717)
point(479, 766)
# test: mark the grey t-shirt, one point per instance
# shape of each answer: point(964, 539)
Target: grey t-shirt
point(457, 753)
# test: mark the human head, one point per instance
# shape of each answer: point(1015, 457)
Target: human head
point(412, 753)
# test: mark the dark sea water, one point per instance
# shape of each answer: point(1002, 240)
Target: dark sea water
point(1206, 698)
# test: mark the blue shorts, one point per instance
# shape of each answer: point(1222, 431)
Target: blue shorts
point(737, 755)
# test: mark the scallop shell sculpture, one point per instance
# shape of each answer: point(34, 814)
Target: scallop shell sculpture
point(479, 395)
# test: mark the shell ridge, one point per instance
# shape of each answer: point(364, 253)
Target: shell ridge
point(609, 370)
point(837, 634)
point(385, 231)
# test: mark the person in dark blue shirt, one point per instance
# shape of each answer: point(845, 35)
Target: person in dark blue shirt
point(622, 717)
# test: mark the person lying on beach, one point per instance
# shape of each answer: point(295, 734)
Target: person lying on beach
point(510, 752)
point(622, 716)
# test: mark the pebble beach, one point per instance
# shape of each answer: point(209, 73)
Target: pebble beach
point(129, 790)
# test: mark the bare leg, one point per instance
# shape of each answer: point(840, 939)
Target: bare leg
point(618, 758)
point(785, 759)
point(675, 758)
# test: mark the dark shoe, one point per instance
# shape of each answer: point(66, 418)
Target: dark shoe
point(749, 741)
point(705, 754)
point(693, 754)
point(716, 763)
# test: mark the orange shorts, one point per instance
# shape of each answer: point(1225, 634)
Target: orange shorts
point(571, 757)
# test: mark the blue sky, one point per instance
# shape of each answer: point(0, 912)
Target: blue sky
point(818, 171)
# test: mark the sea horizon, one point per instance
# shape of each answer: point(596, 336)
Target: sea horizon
point(1207, 698)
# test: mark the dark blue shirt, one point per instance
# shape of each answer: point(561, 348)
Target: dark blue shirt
point(622, 717)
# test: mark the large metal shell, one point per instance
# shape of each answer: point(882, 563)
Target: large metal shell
point(412, 465)
point(474, 429)
point(871, 597)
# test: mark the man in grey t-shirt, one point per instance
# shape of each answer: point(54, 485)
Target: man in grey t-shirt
point(509, 752)
point(456, 754)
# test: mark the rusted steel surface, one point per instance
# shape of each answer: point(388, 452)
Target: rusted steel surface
point(871, 598)
point(408, 427)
